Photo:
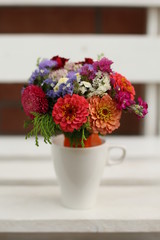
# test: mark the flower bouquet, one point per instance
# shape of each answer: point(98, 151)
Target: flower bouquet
point(77, 99)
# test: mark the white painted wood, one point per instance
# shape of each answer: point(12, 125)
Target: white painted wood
point(120, 3)
point(18, 54)
point(151, 122)
point(152, 21)
point(128, 200)
point(159, 110)
point(137, 147)
point(25, 172)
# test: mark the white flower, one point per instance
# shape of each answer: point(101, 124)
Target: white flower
point(56, 88)
point(85, 86)
point(63, 80)
point(83, 89)
point(78, 76)
point(60, 81)
point(101, 84)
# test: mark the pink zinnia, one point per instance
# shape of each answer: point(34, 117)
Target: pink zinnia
point(34, 100)
point(104, 116)
point(70, 112)
point(120, 83)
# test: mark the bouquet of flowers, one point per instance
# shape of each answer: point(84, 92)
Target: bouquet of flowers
point(77, 99)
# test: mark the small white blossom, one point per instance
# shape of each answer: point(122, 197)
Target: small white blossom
point(63, 80)
point(86, 84)
point(101, 84)
point(85, 87)
point(78, 77)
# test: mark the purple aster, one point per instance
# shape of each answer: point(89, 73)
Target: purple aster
point(103, 65)
point(47, 64)
point(72, 75)
point(44, 72)
point(34, 75)
point(37, 73)
point(50, 82)
point(88, 71)
point(51, 94)
point(64, 88)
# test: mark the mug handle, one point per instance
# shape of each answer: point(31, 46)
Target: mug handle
point(110, 161)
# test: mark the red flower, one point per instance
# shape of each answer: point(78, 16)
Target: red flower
point(70, 112)
point(87, 60)
point(34, 100)
point(60, 61)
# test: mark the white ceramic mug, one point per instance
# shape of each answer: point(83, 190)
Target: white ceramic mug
point(79, 171)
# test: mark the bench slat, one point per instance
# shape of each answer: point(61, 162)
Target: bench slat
point(19, 53)
point(128, 201)
point(27, 150)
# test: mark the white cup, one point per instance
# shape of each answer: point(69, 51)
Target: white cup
point(79, 171)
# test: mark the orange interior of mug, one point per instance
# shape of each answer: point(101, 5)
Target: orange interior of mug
point(92, 140)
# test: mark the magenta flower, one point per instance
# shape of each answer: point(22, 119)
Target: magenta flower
point(103, 65)
point(123, 100)
point(139, 109)
point(144, 106)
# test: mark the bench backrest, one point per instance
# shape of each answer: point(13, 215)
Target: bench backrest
point(137, 57)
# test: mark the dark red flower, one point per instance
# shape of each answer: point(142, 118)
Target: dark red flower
point(86, 60)
point(60, 61)
point(89, 60)
point(34, 100)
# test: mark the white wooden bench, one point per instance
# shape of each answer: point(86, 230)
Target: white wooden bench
point(128, 201)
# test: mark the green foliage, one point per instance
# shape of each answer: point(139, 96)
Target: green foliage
point(76, 87)
point(84, 78)
point(44, 125)
point(38, 61)
point(77, 137)
point(100, 56)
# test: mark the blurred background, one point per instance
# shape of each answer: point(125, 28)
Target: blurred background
point(65, 20)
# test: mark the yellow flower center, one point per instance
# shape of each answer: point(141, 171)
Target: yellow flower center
point(104, 113)
point(69, 112)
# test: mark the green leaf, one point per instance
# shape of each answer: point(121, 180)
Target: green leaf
point(78, 137)
point(38, 61)
point(44, 125)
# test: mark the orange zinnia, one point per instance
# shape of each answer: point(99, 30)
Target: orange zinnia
point(104, 116)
